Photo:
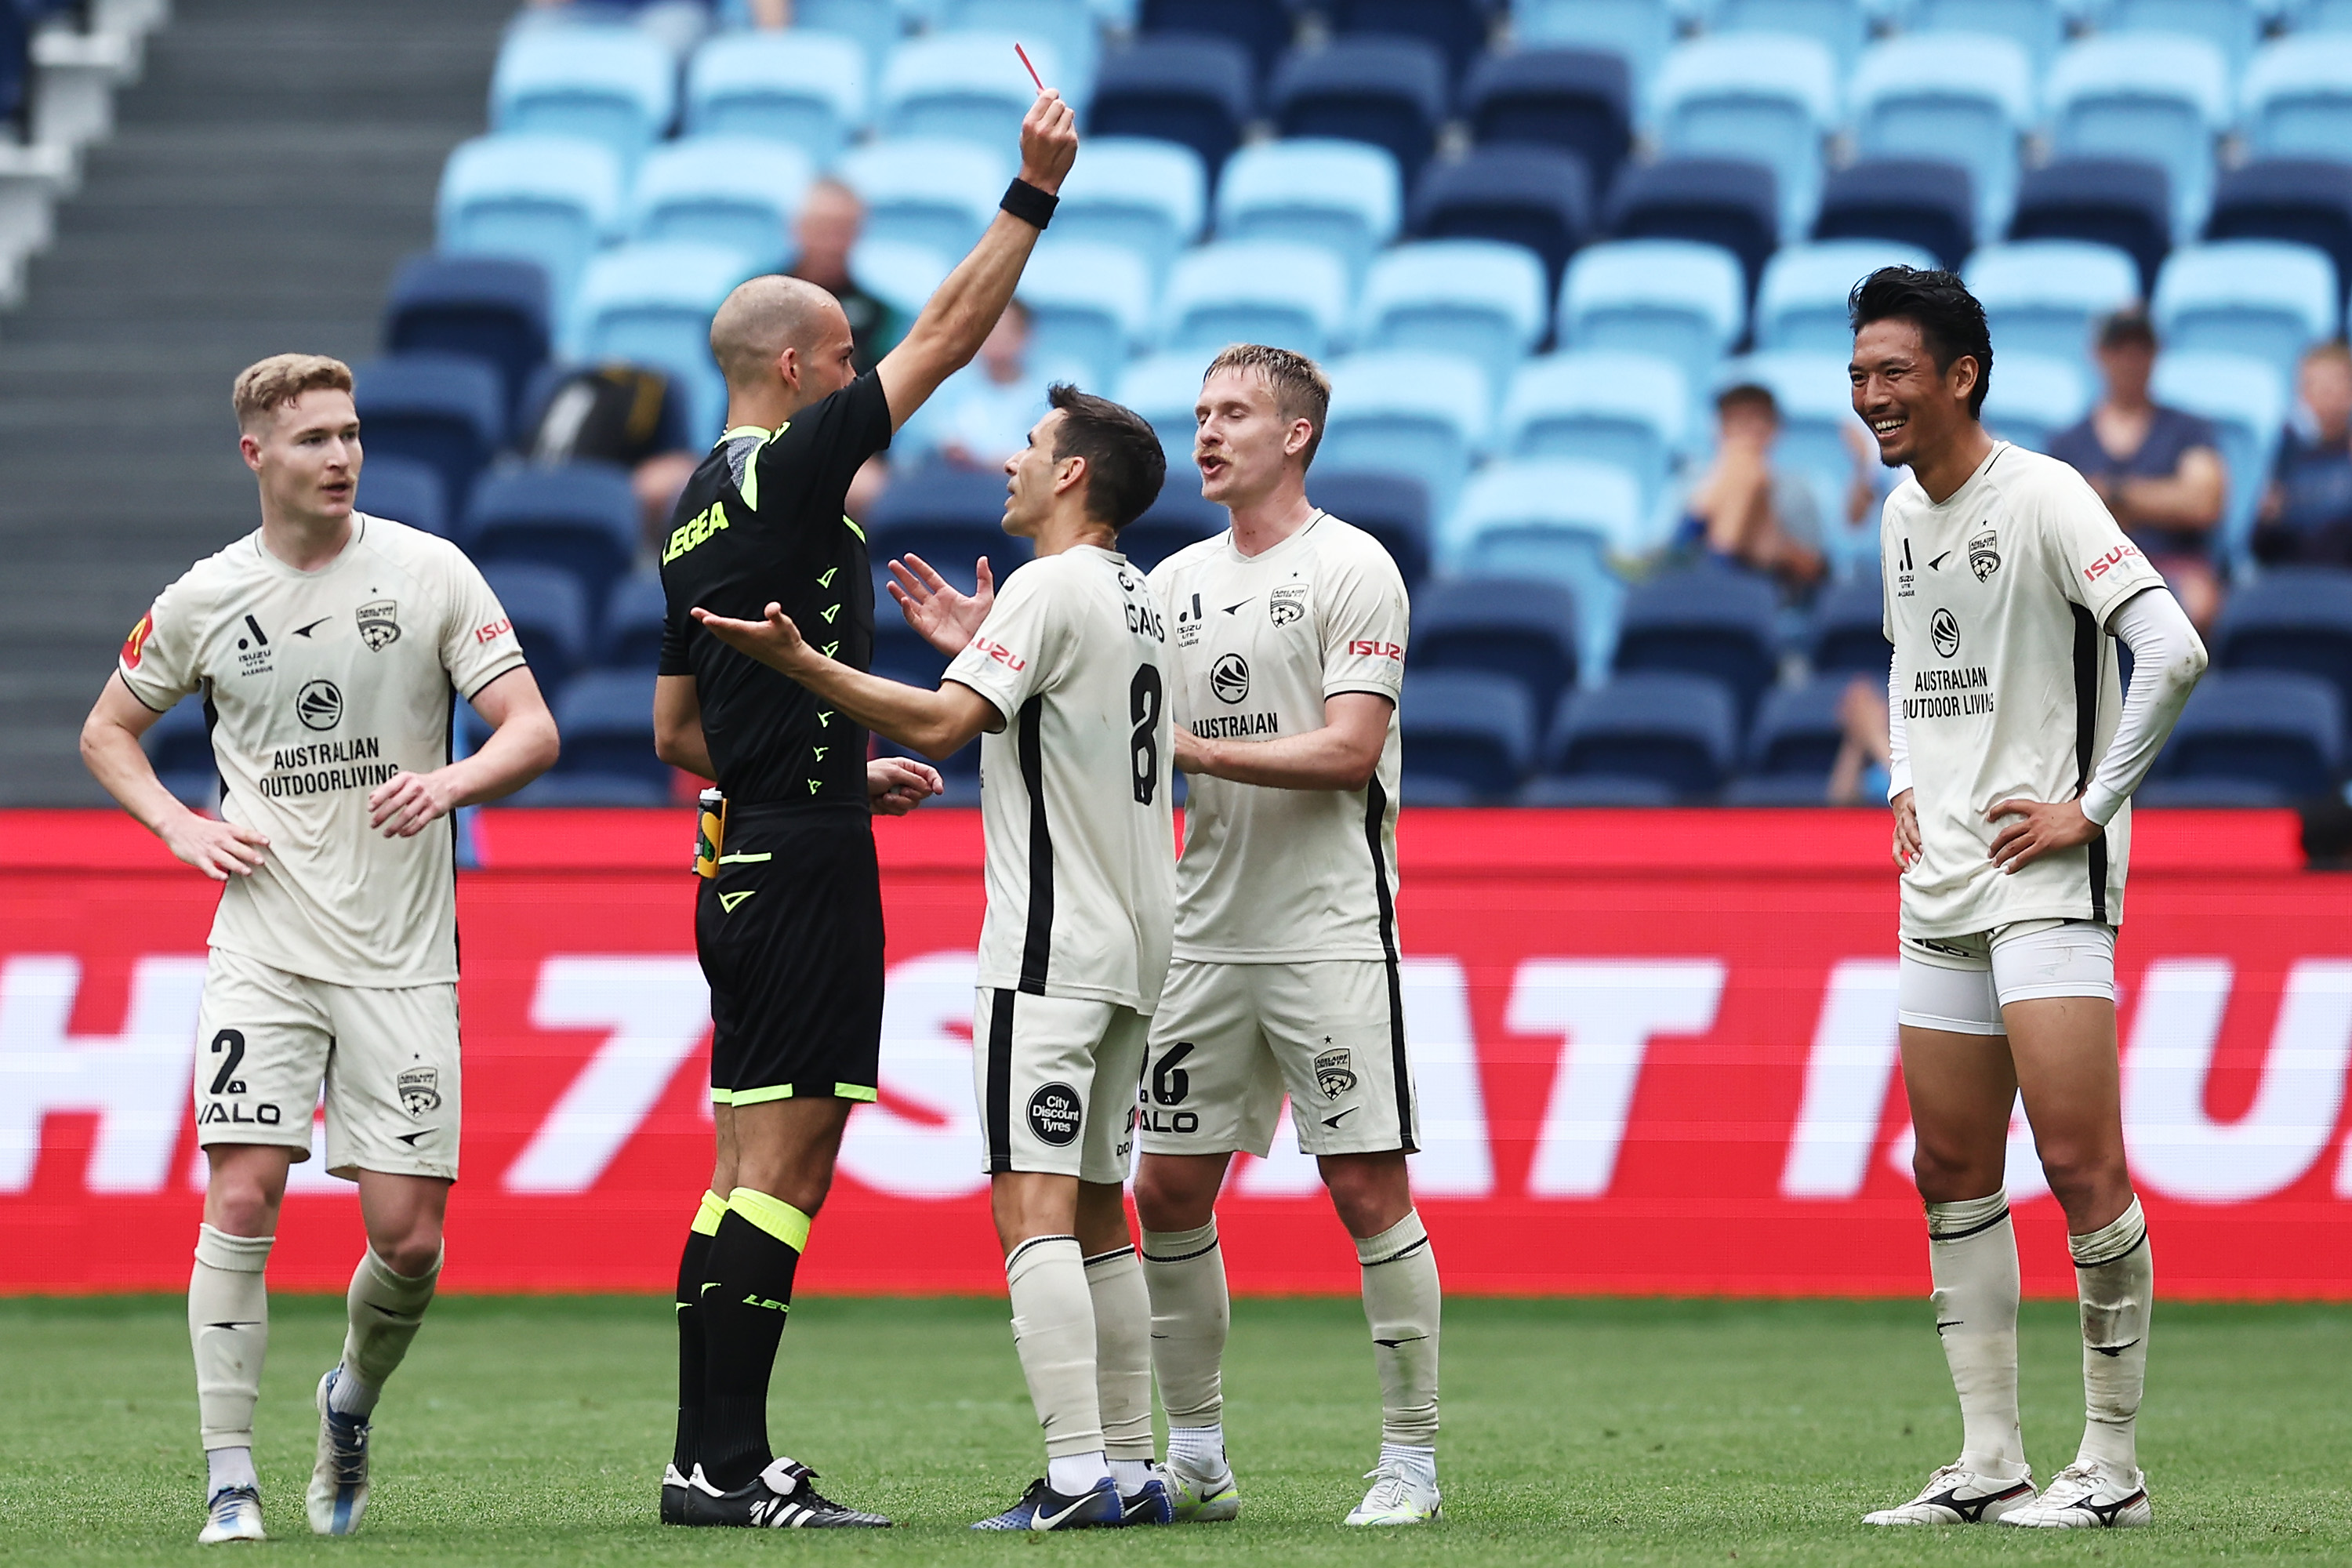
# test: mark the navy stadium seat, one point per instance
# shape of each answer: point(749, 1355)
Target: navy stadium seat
point(580, 518)
point(606, 719)
point(1849, 635)
point(1539, 198)
point(405, 490)
point(1726, 202)
point(549, 614)
point(180, 745)
point(900, 653)
point(1798, 731)
point(1512, 627)
point(2271, 728)
point(1967, 99)
point(1596, 790)
point(1580, 100)
point(1707, 621)
point(446, 412)
point(1415, 788)
point(491, 307)
point(2121, 202)
point(1194, 91)
point(1476, 729)
point(1778, 791)
point(2308, 201)
point(2164, 98)
point(1457, 28)
point(2297, 619)
point(1768, 97)
point(1391, 92)
point(1678, 730)
point(631, 633)
point(577, 791)
point(2208, 793)
point(1260, 28)
point(948, 516)
point(1179, 518)
point(1913, 201)
point(1391, 508)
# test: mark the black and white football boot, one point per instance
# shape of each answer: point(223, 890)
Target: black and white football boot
point(673, 1501)
point(1955, 1496)
point(2088, 1497)
point(781, 1496)
point(1042, 1507)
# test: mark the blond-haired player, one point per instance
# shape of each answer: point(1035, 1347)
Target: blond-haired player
point(329, 646)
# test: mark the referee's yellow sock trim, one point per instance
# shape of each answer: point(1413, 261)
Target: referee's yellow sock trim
point(706, 1218)
point(774, 1216)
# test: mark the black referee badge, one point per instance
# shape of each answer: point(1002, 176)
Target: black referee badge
point(1335, 1073)
point(1984, 554)
point(420, 1089)
point(1054, 1114)
point(378, 628)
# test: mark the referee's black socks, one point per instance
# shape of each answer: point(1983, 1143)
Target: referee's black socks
point(750, 1288)
point(693, 1269)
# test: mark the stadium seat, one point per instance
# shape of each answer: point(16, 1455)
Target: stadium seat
point(445, 412)
point(2232, 27)
point(1728, 202)
point(2297, 619)
point(1534, 197)
point(1418, 790)
point(900, 653)
point(1842, 26)
point(1966, 100)
point(1196, 92)
point(1578, 100)
point(2210, 793)
point(1554, 520)
point(874, 25)
point(1067, 27)
point(1392, 509)
point(1163, 388)
point(1457, 27)
point(404, 490)
point(1178, 519)
point(1916, 202)
point(1345, 196)
point(2045, 296)
point(730, 191)
point(559, 790)
point(2118, 202)
point(2034, 397)
point(937, 195)
point(1682, 302)
point(1478, 731)
point(489, 308)
point(1777, 791)
point(1481, 299)
point(2305, 201)
point(2155, 96)
point(947, 516)
point(965, 87)
point(2246, 402)
point(1802, 303)
point(2037, 26)
point(1256, 290)
point(1511, 627)
point(805, 89)
point(1090, 305)
point(1766, 97)
point(580, 518)
point(2265, 298)
point(1259, 29)
point(1150, 197)
point(2262, 726)
point(549, 199)
point(179, 747)
point(1798, 731)
point(1408, 411)
point(1678, 730)
point(1707, 621)
point(1817, 423)
point(1595, 790)
point(630, 636)
point(1641, 31)
point(901, 275)
point(1391, 92)
point(651, 304)
point(1630, 411)
point(607, 718)
point(2298, 97)
point(1849, 636)
point(550, 612)
point(615, 86)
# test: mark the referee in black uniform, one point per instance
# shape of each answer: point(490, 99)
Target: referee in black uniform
point(788, 924)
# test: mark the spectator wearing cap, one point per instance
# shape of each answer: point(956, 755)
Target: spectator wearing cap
point(2159, 470)
point(2306, 517)
point(1745, 512)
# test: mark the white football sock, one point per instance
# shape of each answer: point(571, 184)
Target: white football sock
point(1419, 1463)
point(385, 1311)
point(1075, 1475)
point(1054, 1330)
point(228, 1326)
point(2115, 1277)
point(1184, 1271)
point(1122, 1311)
point(226, 1467)
point(1130, 1475)
point(1401, 1304)
point(1972, 1258)
point(1199, 1449)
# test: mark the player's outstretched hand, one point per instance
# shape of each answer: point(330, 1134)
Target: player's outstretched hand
point(774, 642)
point(219, 849)
point(896, 786)
point(2040, 828)
point(1906, 832)
point(403, 803)
point(1049, 141)
point(941, 614)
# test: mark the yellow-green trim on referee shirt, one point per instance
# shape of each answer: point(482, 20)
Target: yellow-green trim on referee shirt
point(749, 488)
point(852, 1091)
point(762, 1096)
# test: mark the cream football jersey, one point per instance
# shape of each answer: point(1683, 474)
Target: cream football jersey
point(319, 687)
point(1080, 869)
point(1283, 876)
point(2006, 680)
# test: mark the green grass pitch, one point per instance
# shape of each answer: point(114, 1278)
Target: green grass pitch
point(535, 1430)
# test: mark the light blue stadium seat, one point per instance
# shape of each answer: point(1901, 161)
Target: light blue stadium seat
point(1768, 97)
point(2259, 297)
point(1480, 297)
point(723, 190)
point(1345, 196)
point(1817, 414)
point(1067, 27)
point(2158, 97)
point(1802, 303)
point(935, 193)
point(2037, 26)
point(2232, 27)
point(1629, 411)
point(548, 199)
point(1842, 26)
point(1408, 411)
point(806, 87)
point(2044, 296)
point(1558, 519)
point(1641, 30)
point(1256, 290)
point(1150, 196)
point(2298, 97)
point(1163, 388)
point(1966, 100)
point(651, 304)
point(875, 26)
point(1675, 298)
point(1089, 304)
point(2246, 401)
point(2034, 397)
point(614, 85)
point(902, 276)
point(960, 87)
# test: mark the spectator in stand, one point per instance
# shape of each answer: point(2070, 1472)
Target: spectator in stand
point(831, 218)
point(1861, 773)
point(624, 415)
point(982, 414)
point(1747, 512)
point(2306, 518)
point(2157, 469)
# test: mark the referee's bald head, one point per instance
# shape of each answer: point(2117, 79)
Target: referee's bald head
point(767, 315)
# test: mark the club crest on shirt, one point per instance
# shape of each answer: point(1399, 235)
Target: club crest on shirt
point(1287, 604)
point(378, 629)
point(1334, 1074)
point(419, 1089)
point(1984, 554)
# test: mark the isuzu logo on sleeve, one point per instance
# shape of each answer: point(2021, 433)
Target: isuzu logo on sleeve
point(378, 629)
point(320, 705)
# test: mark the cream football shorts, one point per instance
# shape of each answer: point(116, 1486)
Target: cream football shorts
point(1960, 983)
point(269, 1041)
point(1230, 1039)
point(1054, 1076)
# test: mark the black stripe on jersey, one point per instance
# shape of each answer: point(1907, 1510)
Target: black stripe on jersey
point(1038, 950)
point(2086, 736)
point(1376, 811)
point(996, 1102)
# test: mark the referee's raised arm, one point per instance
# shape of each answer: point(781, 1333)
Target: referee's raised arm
point(963, 310)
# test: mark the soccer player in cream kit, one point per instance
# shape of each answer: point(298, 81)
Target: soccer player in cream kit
point(2015, 754)
point(330, 648)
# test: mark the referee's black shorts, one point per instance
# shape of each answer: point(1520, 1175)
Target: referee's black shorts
point(790, 935)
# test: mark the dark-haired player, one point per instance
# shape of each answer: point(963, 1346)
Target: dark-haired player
point(2014, 757)
point(1065, 672)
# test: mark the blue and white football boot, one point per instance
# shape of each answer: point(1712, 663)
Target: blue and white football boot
point(1042, 1508)
point(339, 1479)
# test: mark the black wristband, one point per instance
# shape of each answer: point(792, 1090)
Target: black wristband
point(1030, 205)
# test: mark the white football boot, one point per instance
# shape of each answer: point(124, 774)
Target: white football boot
point(1201, 1498)
point(339, 1478)
point(2087, 1496)
point(1396, 1498)
point(1955, 1496)
point(234, 1514)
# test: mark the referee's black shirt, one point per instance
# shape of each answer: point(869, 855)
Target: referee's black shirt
point(761, 519)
